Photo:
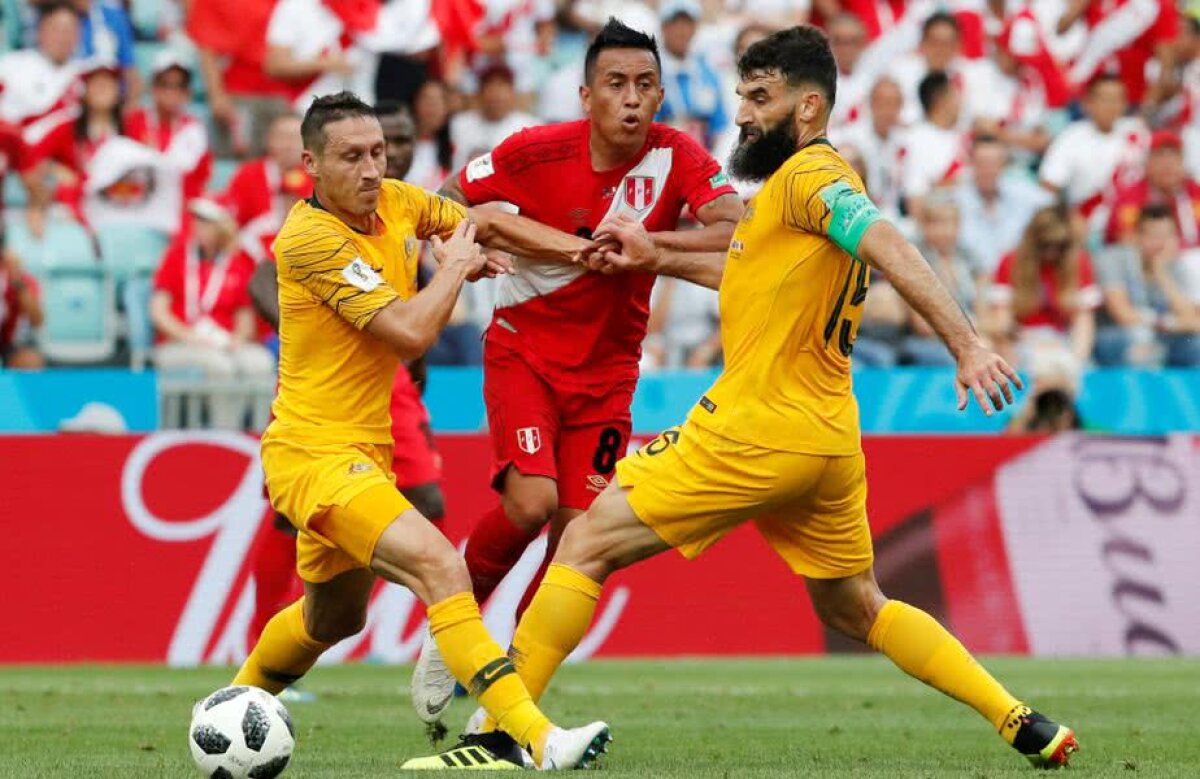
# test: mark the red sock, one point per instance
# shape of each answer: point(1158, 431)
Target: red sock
point(273, 566)
point(495, 546)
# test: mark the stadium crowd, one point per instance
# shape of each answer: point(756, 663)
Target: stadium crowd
point(1044, 155)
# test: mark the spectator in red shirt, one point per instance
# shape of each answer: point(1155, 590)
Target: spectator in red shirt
point(1166, 183)
point(258, 185)
point(16, 155)
point(201, 308)
point(168, 126)
point(20, 314)
point(74, 141)
point(1045, 292)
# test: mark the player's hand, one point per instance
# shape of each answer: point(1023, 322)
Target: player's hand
point(497, 263)
point(637, 250)
point(986, 375)
point(459, 249)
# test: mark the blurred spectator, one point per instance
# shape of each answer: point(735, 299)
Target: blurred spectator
point(17, 156)
point(933, 153)
point(1123, 37)
point(879, 138)
point(231, 46)
point(168, 126)
point(684, 326)
point(71, 145)
point(693, 101)
point(1166, 183)
point(40, 86)
point(496, 117)
point(1045, 290)
point(107, 33)
point(202, 311)
point(1145, 296)
point(258, 184)
point(883, 326)
point(433, 156)
point(939, 51)
point(309, 49)
point(1030, 83)
point(519, 35)
point(1093, 156)
point(994, 208)
point(862, 62)
point(404, 40)
point(1050, 404)
point(20, 315)
point(956, 266)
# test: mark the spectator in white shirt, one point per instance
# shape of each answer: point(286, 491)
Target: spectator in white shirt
point(933, 148)
point(478, 131)
point(878, 137)
point(939, 51)
point(693, 101)
point(1093, 156)
point(40, 87)
point(684, 326)
point(994, 208)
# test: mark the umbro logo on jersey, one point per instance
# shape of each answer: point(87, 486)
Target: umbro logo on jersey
point(529, 440)
point(360, 468)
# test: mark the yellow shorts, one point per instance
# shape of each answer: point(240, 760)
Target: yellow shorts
point(691, 487)
point(339, 497)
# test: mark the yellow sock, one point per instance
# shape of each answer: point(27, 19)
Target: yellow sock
point(284, 652)
point(553, 625)
point(924, 649)
point(487, 673)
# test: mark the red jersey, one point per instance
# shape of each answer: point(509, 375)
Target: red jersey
point(1051, 312)
point(10, 306)
point(199, 289)
point(565, 321)
point(184, 141)
point(1129, 202)
point(15, 154)
point(256, 184)
point(1130, 61)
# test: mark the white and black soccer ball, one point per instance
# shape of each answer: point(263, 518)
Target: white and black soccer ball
point(241, 733)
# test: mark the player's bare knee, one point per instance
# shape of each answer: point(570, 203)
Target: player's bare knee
point(530, 509)
point(442, 572)
point(850, 607)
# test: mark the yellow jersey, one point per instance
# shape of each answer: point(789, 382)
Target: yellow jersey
point(791, 299)
point(335, 381)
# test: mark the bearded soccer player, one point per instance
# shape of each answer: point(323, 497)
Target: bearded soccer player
point(561, 355)
point(349, 312)
point(775, 441)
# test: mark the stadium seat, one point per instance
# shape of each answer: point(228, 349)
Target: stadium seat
point(81, 316)
point(223, 171)
point(15, 195)
point(65, 245)
point(144, 53)
point(129, 250)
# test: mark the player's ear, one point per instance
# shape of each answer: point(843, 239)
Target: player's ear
point(585, 98)
point(809, 107)
point(308, 159)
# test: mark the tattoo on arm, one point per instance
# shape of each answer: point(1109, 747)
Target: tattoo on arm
point(452, 191)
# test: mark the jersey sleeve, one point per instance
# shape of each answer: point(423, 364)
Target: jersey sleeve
point(489, 177)
point(701, 178)
point(823, 195)
point(327, 264)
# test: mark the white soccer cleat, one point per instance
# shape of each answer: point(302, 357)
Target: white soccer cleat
point(575, 748)
point(432, 687)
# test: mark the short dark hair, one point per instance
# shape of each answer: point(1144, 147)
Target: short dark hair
point(47, 10)
point(801, 55)
point(388, 108)
point(932, 87)
point(615, 35)
point(1154, 212)
point(940, 17)
point(327, 109)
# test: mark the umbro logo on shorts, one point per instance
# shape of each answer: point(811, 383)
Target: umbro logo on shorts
point(360, 468)
point(529, 440)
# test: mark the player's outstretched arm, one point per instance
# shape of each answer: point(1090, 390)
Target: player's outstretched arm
point(411, 326)
point(640, 251)
point(980, 370)
point(524, 237)
point(719, 218)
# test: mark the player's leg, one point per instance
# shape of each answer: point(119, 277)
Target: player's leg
point(273, 567)
point(294, 638)
point(428, 499)
point(500, 537)
point(824, 536)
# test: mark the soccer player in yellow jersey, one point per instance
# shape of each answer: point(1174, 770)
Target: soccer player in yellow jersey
point(776, 439)
point(349, 311)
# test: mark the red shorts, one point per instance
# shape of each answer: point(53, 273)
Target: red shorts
point(415, 460)
point(572, 435)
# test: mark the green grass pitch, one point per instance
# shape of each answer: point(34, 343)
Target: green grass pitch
point(689, 718)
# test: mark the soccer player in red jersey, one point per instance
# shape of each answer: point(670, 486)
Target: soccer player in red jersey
point(561, 354)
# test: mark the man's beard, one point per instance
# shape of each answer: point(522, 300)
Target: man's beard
point(757, 160)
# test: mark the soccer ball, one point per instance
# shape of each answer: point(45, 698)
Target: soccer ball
point(241, 733)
